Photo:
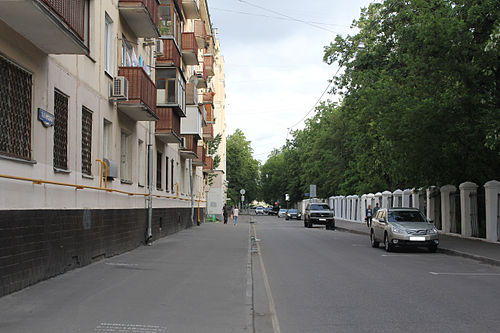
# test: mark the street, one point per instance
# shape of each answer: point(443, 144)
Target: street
point(301, 280)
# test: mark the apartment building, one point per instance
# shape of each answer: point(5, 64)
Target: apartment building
point(103, 111)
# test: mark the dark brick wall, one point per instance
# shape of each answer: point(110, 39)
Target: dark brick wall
point(38, 244)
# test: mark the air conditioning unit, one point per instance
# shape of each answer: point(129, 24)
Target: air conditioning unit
point(119, 90)
point(159, 48)
point(183, 143)
point(112, 169)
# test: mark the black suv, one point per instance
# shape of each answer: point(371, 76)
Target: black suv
point(319, 213)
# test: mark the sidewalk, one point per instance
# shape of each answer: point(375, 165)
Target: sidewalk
point(476, 249)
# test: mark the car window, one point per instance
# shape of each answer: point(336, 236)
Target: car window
point(292, 211)
point(320, 207)
point(406, 216)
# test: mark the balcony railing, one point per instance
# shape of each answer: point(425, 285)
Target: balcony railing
point(210, 113)
point(208, 131)
point(209, 164)
point(168, 128)
point(141, 16)
point(54, 26)
point(191, 147)
point(202, 77)
point(200, 33)
point(191, 94)
point(141, 104)
point(191, 8)
point(170, 56)
point(208, 59)
point(189, 48)
point(201, 153)
point(208, 98)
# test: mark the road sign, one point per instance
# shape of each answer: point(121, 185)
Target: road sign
point(242, 198)
point(242, 191)
point(287, 197)
point(312, 190)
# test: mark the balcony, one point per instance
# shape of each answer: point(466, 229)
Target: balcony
point(168, 128)
point(192, 123)
point(171, 55)
point(208, 132)
point(210, 113)
point(191, 94)
point(171, 91)
point(141, 16)
point(208, 98)
point(55, 27)
point(209, 164)
point(201, 152)
point(190, 149)
point(141, 103)
point(191, 8)
point(189, 49)
point(208, 59)
point(200, 33)
point(202, 77)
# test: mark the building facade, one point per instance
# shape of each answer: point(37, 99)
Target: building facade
point(104, 116)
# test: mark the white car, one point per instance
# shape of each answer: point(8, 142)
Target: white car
point(282, 212)
point(259, 210)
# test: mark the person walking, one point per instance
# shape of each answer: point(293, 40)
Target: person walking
point(369, 214)
point(375, 210)
point(235, 215)
point(224, 213)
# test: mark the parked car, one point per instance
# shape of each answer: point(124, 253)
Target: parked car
point(259, 210)
point(282, 212)
point(267, 210)
point(293, 214)
point(403, 227)
point(319, 213)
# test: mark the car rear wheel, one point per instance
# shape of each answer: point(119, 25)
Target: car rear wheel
point(373, 241)
point(387, 244)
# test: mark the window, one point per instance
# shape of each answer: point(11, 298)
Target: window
point(15, 99)
point(107, 140)
point(125, 157)
point(169, 23)
point(159, 158)
point(86, 141)
point(60, 130)
point(171, 87)
point(108, 45)
point(141, 178)
point(128, 55)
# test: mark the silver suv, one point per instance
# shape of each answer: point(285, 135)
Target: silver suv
point(400, 227)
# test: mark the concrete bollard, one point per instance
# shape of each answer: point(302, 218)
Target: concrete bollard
point(492, 200)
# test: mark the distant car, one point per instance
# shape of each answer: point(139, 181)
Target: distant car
point(259, 210)
point(273, 211)
point(267, 210)
point(319, 213)
point(282, 212)
point(293, 214)
point(403, 227)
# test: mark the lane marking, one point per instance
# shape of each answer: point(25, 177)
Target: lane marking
point(466, 274)
point(272, 306)
point(359, 245)
point(123, 328)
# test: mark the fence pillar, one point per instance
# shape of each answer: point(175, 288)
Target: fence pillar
point(415, 194)
point(385, 199)
point(338, 207)
point(377, 199)
point(446, 207)
point(466, 189)
point(492, 199)
point(406, 198)
point(397, 198)
point(355, 208)
point(363, 207)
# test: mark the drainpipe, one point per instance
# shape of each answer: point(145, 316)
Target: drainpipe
point(191, 187)
point(150, 181)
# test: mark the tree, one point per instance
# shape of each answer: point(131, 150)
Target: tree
point(242, 169)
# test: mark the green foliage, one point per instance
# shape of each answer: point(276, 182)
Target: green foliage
point(242, 169)
point(420, 104)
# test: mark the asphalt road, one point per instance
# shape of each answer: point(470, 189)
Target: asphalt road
point(209, 278)
point(332, 281)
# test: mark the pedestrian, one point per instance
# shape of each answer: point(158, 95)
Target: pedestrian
point(224, 213)
point(369, 214)
point(235, 215)
point(375, 210)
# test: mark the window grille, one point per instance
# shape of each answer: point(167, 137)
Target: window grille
point(86, 141)
point(15, 109)
point(60, 130)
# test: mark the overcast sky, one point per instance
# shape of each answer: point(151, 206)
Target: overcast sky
point(274, 67)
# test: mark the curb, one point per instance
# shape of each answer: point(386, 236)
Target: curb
point(440, 249)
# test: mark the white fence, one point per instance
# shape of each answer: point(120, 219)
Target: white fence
point(466, 211)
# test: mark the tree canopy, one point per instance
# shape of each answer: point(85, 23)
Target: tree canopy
point(419, 104)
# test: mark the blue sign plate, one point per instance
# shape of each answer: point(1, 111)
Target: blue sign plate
point(46, 118)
